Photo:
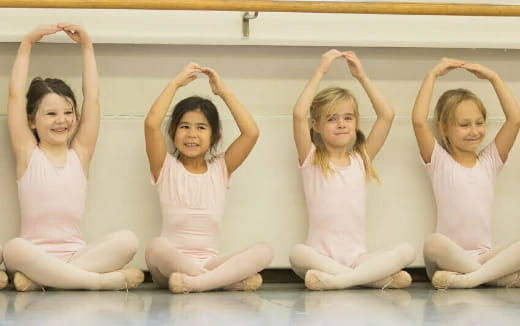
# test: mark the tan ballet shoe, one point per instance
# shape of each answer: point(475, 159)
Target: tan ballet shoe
point(441, 279)
point(176, 283)
point(400, 280)
point(252, 283)
point(133, 277)
point(23, 284)
point(312, 280)
point(3, 280)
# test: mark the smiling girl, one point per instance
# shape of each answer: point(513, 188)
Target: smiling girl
point(459, 253)
point(192, 184)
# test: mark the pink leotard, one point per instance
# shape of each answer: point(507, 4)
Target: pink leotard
point(192, 206)
point(336, 209)
point(52, 202)
point(465, 196)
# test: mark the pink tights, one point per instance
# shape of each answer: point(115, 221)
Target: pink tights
point(163, 259)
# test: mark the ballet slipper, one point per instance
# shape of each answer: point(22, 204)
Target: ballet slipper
point(400, 280)
point(176, 283)
point(313, 280)
point(3, 280)
point(133, 277)
point(441, 279)
point(23, 284)
point(251, 283)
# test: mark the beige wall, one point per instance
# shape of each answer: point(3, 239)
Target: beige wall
point(265, 202)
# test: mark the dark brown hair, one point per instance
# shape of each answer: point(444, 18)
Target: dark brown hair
point(196, 103)
point(39, 88)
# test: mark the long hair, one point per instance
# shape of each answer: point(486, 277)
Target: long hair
point(445, 110)
point(324, 104)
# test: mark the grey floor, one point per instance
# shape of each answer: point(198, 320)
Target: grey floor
point(274, 304)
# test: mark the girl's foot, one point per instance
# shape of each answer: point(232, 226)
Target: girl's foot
point(176, 283)
point(315, 280)
point(252, 283)
point(443, 280)
point(23, 284)
point(133, 277)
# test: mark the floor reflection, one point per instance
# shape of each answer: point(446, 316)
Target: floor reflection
point(481, 306)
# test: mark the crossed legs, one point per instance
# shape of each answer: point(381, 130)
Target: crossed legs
point(96, 267)
point(450, 266)
point(381, 269)
point(235, 271)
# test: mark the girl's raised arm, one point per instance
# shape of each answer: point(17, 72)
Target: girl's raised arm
point(385, 115)
point(22, 138)
point(423, 133)
point(302, 137)
point(506, 136)
point(84, 141)
point(154, 138)
point(238, 151)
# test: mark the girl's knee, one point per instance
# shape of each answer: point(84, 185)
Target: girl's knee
point(13, 252)
point(408, 253)
point(298, 251)
point(434, 245)
point(155, 247)
point(265, 252)
point(128, 241)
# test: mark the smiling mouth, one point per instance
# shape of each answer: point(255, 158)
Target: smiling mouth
point(191, 145)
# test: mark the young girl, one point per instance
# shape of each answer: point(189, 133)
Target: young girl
point(192, 185)
point(459, 254)
point(53, 149)
point(336, 163)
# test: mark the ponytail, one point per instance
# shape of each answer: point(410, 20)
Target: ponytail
point(360, 147)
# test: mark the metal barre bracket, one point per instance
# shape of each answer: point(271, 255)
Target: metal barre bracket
point(246, 17)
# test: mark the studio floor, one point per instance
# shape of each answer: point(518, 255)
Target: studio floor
point(273, 304)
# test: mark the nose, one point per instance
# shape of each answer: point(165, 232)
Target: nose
point(341, 123)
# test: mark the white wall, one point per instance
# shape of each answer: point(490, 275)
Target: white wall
point(265, 202)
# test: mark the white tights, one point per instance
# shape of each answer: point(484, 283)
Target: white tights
point(441, 253)
point(163, 259)
point(92, 268)
point(374, 270)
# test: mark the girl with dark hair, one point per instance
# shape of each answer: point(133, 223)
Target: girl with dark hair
point(53, 148)
point(336, 162)
point(192, 185)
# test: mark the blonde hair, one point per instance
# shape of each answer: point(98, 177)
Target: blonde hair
point(446, 106)
point(325, 104)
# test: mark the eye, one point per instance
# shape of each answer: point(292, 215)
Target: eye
point(69, 112)
point(202, 127)
point(480, 123)
point(349, 117)
point(183, 127)
point(51, 113)
point(331, 118)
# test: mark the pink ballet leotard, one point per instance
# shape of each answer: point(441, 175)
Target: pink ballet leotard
point(52, 203)
point(192, 206)
point(336, 209)
point(464, 197)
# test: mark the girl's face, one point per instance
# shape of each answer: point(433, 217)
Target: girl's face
point(339, 129)
point(468, 128)
point(55, 120)
point(193, 135)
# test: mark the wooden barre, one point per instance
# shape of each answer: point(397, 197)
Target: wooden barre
point(391, 8)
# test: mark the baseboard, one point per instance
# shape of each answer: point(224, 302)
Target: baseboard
point(286, 275)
